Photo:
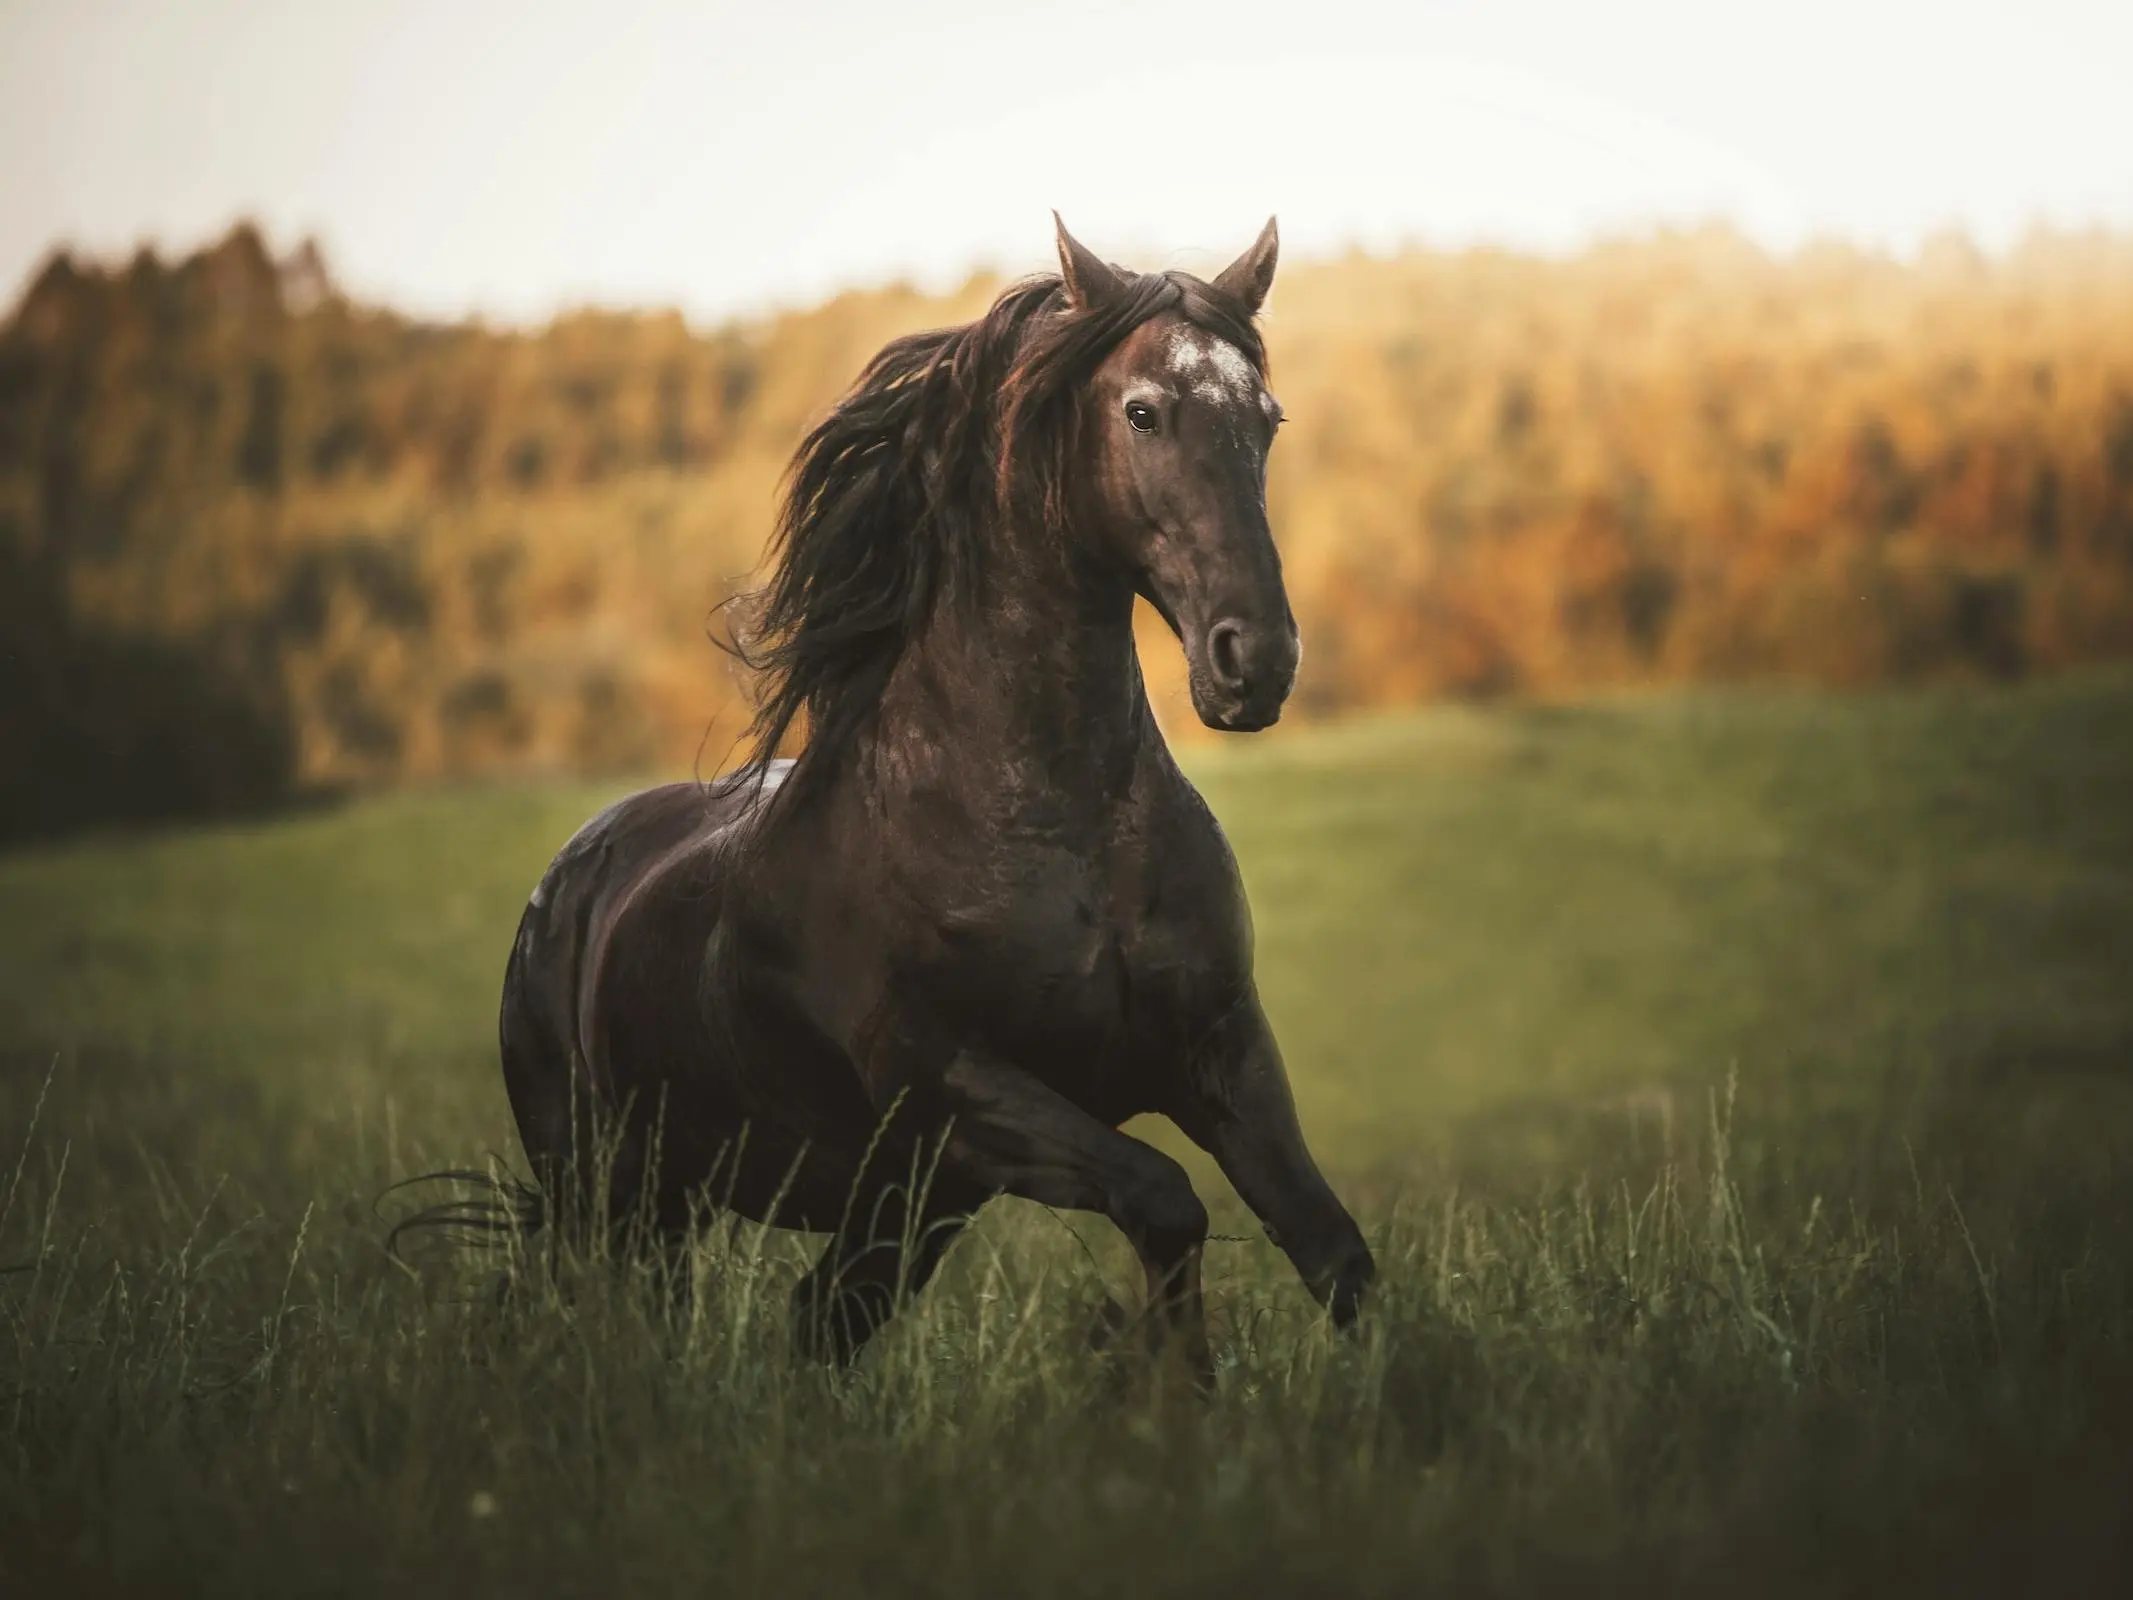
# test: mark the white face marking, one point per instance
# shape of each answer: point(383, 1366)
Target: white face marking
point(1216, 370)
point(1236, 370)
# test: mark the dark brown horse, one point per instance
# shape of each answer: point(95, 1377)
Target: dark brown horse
point(982, 920)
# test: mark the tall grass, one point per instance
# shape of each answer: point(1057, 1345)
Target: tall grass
point(1755, 1366)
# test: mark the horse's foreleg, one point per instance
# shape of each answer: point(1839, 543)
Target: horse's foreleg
point(883, 1255)
point(1013, 1135)
point(1235, 1104)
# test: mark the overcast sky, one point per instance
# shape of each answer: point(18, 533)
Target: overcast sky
point(518, 158)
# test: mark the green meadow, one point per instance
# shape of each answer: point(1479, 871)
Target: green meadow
point(1736, 1085)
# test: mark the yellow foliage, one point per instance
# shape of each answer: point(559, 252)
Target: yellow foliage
point(408, 551)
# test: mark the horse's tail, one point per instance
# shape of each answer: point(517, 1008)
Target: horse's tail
point(485, 1208)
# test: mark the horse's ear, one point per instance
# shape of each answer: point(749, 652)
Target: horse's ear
point(1252, 274)
point(1088, 280)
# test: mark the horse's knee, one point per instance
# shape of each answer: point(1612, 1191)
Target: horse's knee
point(1169, 1219)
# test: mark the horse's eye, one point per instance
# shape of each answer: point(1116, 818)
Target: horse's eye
point(1141, 415)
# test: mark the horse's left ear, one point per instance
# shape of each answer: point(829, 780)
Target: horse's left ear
point(1087, 279)
point(1252, 274)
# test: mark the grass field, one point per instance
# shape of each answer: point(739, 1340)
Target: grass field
point(1738, 1089)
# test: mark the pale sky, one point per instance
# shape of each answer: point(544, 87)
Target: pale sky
point(515, 159)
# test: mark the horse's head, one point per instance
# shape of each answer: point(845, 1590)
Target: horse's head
point(1176, 426)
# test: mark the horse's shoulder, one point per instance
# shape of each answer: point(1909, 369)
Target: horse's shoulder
point(1190, 914)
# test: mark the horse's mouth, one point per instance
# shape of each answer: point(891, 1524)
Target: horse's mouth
point(1239, 713)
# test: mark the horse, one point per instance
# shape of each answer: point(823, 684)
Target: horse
point(981, 919)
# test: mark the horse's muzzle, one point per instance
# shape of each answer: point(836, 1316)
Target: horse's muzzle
point(1247, 672)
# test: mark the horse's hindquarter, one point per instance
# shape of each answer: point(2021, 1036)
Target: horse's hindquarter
point(604, 1007)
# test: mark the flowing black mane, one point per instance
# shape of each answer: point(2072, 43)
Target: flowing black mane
point(890, 499)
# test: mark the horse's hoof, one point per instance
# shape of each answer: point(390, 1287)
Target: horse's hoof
point(1199, 1364)
point(1111, 1320)
point(1166, 1374)
point(1351, 1287)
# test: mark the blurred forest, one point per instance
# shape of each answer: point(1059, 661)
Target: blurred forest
point(258, 541)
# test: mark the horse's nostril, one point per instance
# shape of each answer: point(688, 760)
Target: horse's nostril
point(1225, 653)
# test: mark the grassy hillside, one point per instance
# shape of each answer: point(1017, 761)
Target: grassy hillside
point(1865, 1317)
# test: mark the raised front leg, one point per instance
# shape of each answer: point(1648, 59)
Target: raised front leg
point(1013, 1135)
point(1236, 1106)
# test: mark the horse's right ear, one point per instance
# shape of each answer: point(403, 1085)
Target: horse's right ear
point(1252, 274)
point(1088, 280)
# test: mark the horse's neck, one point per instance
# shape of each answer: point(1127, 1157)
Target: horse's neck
point(1033, 673)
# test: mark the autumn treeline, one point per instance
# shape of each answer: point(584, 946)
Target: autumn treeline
point(256, 540)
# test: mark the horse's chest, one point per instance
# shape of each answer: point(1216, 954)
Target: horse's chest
point(1070, 974)
point(1087, 956)
point(1046, 954)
